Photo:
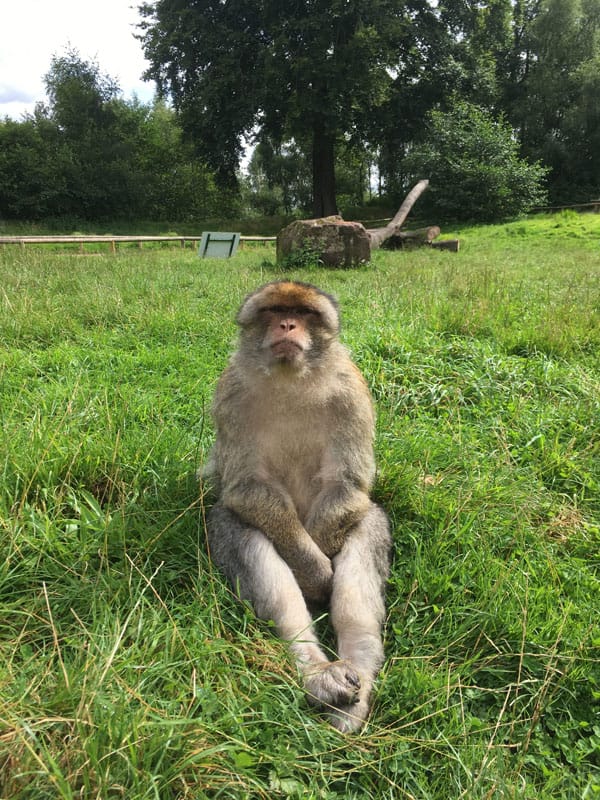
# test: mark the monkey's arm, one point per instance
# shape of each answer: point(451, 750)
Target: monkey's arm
point(337, 508)
point(268, 508)
point(347, 471)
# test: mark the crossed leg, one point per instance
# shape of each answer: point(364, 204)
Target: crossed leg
point(360, 571)
point(254, 568)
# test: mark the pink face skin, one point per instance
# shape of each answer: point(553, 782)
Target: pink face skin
point(287, 334)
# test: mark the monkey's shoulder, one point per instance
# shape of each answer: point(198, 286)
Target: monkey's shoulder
point(352, 393)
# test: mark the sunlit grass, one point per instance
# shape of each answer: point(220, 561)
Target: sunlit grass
point(126, 667)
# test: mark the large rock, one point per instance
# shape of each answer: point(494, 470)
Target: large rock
point(335, 242)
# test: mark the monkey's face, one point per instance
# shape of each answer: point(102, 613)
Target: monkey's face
point(288, 323)
point(287, 333)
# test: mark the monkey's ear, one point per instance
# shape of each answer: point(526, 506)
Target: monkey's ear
point(293, 294)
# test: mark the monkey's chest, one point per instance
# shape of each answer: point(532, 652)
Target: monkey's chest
point(295, 454)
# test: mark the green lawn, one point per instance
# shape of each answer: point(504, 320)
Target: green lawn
point(127, 670)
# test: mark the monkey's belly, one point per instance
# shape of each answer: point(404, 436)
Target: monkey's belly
point(300, 476)
point(294, 450)
point(303, 489)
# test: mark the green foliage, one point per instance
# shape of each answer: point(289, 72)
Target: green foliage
point(95, 129)
point(463, 52)
point(306, 257)
point(279, 178)
point(280, 181)
point(310, 72)
point(327, 91)
point(34, 161)
point(79, 94)
point(128, 669)
point(475, 171)
point(92, 156)
point(552, 98)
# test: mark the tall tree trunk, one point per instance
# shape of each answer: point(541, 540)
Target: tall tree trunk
point(323, 165)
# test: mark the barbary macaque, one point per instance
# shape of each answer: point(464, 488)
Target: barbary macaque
point(294, 527)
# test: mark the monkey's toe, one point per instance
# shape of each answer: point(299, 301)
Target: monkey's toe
point(350, 718)
point(333, 685)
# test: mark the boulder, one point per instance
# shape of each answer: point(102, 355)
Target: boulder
point(335, 242)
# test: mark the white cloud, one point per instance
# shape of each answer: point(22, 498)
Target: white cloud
point(32, 31)
point(12, 94)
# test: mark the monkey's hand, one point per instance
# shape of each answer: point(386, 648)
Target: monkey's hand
point(312, 569)
point(335, 511)
point(271, 511)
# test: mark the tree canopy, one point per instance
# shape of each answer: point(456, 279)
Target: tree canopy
point(478, 171)
point(91, 155)
point(337, 100)
point(311, 71)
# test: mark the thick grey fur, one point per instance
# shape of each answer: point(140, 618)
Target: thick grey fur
point(294, 526)
point(254, 568)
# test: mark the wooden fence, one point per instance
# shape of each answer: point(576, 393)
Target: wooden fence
point(113, 241)
point(593, 205)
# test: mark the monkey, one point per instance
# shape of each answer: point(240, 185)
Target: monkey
point(293, 527)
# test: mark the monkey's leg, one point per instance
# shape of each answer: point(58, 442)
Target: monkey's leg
point(259, 574)
point(358, 609)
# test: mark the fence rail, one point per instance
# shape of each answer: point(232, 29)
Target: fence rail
point(113, 241)
point(593, 205)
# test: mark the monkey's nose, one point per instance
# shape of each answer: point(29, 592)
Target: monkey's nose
point(287, 324)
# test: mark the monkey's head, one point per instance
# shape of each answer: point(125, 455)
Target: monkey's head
point(288, 323)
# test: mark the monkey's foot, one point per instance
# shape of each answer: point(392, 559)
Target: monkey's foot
point(332, 685)
point(351, 718)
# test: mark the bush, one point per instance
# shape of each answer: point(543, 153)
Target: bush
point(474, 168)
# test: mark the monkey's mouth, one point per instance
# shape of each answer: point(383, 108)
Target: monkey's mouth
point(286, 350)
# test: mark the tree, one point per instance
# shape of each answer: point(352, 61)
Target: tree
point(552, 94)
point(176, 186)
point(33, 166)
point(579, 178)
point(279, 177)
point(308, 71)
point(88, 154)
point(78, 92)
point(475, 169)
point(99, 129)
point(459, 47)
point(62, 160)
point(126, 159)
point(280, 180)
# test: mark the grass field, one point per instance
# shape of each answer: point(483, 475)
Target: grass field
point(127, 670)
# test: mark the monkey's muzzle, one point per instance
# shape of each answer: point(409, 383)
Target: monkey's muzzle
point(286, 350)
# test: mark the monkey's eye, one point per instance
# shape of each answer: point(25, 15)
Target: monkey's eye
point(303, 311)
point(276, 310)
point(297, 311)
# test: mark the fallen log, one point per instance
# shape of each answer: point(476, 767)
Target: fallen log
point(447, 244)
point(336, 243)
point(379, 235)
point(422, 234)
point(415, 238)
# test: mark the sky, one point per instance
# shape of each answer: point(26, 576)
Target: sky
point(32, 31)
